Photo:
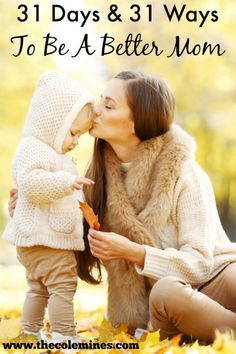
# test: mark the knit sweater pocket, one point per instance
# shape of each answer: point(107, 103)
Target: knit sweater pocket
point(62, 216)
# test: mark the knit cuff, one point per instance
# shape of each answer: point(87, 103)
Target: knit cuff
point(64, 179)
point(71, 180)
point(156, 263)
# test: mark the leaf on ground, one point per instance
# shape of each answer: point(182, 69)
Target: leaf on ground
point(124, 337)
point(224, 342)
point(9, 328)
point(173, 343)
point(107, 333)
point(152, 343)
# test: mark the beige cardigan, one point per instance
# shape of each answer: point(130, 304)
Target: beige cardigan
point(193, 245)
point(47, 210)
point(166, 203)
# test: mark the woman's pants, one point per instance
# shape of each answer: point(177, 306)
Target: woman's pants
point(176, 307)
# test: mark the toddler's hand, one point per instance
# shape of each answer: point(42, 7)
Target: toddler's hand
point(80, 181)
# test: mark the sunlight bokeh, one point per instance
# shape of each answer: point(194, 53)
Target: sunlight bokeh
point(204, 87)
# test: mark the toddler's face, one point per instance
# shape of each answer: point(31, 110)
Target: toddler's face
point(81, 125)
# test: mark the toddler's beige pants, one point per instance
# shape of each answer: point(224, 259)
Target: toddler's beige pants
point(176, 307)
point(52, 279)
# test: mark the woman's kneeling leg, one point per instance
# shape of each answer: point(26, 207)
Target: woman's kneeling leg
point(176, 307)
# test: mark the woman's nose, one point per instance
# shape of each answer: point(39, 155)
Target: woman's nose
point(97, 109)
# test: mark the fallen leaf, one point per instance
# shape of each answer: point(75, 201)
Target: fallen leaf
point(107, 332)
point(9, 328)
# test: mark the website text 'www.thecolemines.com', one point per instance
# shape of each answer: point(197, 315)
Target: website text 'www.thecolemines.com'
point(70, 345)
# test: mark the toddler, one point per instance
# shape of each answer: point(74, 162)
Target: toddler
point(47, 225)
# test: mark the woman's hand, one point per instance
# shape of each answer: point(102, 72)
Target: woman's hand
point(109, 245)
point(12, 201)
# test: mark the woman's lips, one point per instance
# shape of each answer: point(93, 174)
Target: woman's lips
point(96, 120)
point(95, 123)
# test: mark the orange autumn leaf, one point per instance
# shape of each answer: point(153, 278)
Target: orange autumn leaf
point(89, 215)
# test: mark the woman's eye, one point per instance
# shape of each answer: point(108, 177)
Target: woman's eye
point(108, 107)
point(72, 134)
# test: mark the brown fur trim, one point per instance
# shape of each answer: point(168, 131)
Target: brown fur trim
point(138, 209)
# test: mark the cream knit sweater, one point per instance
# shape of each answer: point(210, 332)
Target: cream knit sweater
point(47, 211)
point(166, 203)
point(193, 245)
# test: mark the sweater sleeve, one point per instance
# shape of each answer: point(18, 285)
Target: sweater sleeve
point(196, 216)
point(32, 169)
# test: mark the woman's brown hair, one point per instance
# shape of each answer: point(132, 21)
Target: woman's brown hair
point(152, 105)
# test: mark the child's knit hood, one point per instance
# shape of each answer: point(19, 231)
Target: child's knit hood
point(54, 106)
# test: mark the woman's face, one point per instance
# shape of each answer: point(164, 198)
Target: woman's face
point(113, 118)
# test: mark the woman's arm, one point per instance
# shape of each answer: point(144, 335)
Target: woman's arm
point(191, 258)
point(109, 245)
point(198, 223)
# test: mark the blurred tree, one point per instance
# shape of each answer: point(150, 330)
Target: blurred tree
point(204, 86)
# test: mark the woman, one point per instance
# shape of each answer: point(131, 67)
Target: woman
point(165, 251)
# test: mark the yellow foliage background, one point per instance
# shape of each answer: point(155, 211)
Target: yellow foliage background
point(204, 87)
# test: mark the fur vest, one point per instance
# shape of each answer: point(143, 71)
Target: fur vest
point(138, 208)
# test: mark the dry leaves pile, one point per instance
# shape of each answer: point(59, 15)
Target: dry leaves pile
point(90, 305)
point(96, 329)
